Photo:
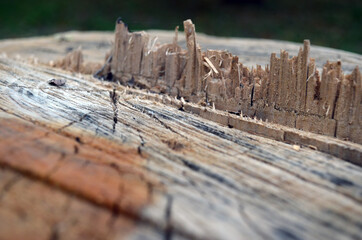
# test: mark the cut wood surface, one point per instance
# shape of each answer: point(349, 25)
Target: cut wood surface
point(97, 160)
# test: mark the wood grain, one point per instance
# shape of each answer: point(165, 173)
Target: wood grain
point(148, 170)
point(289, 91)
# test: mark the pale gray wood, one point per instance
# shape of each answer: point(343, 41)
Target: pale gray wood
point(220, 183)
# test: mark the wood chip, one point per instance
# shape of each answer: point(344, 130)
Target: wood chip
point(57, 82)
point(211, 65)
point(296, 147)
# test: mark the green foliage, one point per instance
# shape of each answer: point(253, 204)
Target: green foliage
point(329, 23)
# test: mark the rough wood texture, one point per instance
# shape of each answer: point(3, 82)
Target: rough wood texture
point(288, 91)
point(93, 159)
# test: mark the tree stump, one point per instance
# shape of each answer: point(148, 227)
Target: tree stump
point(94, 159)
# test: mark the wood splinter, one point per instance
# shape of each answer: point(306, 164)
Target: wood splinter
point(57, 82)
point(290, 91)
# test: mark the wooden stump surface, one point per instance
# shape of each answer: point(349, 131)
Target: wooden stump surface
point(77, 164)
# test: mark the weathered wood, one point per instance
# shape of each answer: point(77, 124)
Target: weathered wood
point(31, 209)
point(208, 77)
point(148, 169)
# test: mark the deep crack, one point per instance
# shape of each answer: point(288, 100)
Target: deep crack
point(114, 99)
point(9, 185)
point(76, 121)
point(168, 212)
point(58, 164)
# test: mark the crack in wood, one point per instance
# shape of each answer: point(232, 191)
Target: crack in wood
point(285, 234)
point(47, 181)
point(56, 228)
point(142, 143)
point(54, 235)
point(57, 166)
point(114, 100)
point(194, 168)
point(309, 181)
point(206, 172)
point(289, 85)
point(168, 214)
point(73, 122)
point(7, 187)
point(62, 89)
point(153, 114)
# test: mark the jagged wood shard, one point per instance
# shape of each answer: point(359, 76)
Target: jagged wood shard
point(74, 62)
point(290, 91)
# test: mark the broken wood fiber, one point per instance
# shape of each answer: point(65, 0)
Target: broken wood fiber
point(290, 92)
point(137, 164)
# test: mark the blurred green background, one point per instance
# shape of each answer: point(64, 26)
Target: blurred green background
point(336, 24)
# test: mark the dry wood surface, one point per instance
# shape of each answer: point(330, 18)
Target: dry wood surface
point(96, 160)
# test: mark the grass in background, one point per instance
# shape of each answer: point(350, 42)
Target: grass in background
point(336, 24)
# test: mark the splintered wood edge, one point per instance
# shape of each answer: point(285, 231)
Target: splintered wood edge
point(219, 161)
point(318, 125)
point(288, 91)
point(348, 151)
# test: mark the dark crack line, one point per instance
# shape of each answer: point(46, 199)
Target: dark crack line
point(300, 177)
point(142, 110)
point(9, 185)
point(114, 99)
point(58, 165)
point(52, 130)
point(134, 217)
point(27, 119)
point(54, 234)
point(217, 177)
point(149, 190)
point(116, 210)
point(111, 222)
point(252, 95)
point(66, 190)
point(253, 156)
point(114, 166)
point(57, 228)
point(142, 140)
point(73, 122)
point(195, 185)
point(108, 61)
point(142, 143)
point(164, 124)
point(169, 228)
point(153, 114)
point(52, 88)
